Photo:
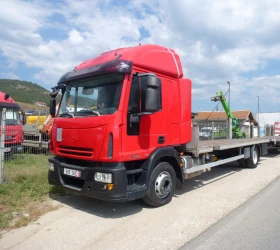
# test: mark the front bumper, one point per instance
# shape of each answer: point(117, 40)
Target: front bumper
point(13, 149)
point(86, 185)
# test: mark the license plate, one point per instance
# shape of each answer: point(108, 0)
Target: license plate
point(72, 172)
point(7, 150)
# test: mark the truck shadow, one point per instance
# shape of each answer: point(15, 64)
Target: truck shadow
point(216, 174)
point(118, 210)
point(272, 153)
point(97, 207)
point(220, 172)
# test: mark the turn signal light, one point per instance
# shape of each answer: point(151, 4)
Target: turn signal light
point(110, 187)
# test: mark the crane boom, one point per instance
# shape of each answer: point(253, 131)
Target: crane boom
point(236, 128)
point(220, 97)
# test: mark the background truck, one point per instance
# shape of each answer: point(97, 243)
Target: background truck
point(34, 138)
point(236, 128)
point(129, 133)
point(13, 130)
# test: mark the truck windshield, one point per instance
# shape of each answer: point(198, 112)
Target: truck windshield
point(92, 97)
point(12, 117)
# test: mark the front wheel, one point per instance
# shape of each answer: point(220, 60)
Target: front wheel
point(162, 185)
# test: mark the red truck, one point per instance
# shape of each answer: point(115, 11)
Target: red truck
point(123, 129)
point(14, 132)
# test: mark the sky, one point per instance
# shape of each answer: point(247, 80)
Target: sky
point(219, 41)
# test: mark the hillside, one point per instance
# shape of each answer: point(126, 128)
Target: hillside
point(24, 92)
point(27, 107)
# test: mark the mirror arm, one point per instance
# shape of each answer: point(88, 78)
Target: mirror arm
point(145, 113)
point(137, 117)
point(144, 74)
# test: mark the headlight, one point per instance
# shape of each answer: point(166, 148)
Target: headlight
point(51, 166)
point(103, 177)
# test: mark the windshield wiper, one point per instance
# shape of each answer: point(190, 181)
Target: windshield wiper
point(67, 115)
point(88, 112)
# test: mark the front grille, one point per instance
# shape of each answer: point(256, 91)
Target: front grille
point(75, 151)
point(71, 181)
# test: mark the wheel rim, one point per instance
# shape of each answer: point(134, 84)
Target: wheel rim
point(163, 185)
point(255, 157)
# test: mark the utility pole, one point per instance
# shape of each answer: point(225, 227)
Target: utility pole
point(258, 108)
point(2, 144)
point(228, 94)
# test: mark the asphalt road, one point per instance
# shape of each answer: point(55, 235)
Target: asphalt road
point(253, 225)
point(85, 223)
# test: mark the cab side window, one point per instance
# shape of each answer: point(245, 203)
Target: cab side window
point(133, 106)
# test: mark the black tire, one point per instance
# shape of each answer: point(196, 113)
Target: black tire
point(242, 163)
point(252, 162)
point(162, 185)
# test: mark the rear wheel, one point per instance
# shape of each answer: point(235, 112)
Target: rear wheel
point(242, 163)
point(252, 162)
point(162, 185)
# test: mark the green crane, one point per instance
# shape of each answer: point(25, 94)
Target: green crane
point(236, 129)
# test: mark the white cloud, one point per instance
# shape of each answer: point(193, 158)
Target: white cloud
point(9, 75)
point(217, 40)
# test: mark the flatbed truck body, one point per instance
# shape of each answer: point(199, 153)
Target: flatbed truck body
point(129, 134)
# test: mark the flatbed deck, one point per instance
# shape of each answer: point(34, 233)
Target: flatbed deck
point(275, 140)
point(211, 145)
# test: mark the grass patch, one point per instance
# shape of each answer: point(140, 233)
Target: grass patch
point(25, 190)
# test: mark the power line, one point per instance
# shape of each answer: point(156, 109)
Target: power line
point(262, 117)
point(253, 96)
point(242, 90)
point(216, 107)
point(266, 105)
point(212, 111)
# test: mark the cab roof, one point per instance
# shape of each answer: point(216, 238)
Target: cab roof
point(149, 57)
point(2, 98)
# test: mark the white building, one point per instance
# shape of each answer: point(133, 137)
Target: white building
point(268, 120)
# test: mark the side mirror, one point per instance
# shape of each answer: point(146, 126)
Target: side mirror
point(52, 107)
point(53, 101)
point(153, 101)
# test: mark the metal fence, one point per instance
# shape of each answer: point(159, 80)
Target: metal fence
point(19, 141)
point(213, 130)
point(269, 130)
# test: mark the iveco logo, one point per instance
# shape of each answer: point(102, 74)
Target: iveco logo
point(9, 137)
point(134, 156)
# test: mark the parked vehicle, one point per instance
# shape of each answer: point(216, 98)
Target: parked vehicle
point(207, 133)
point(13, 129)
point(130, 133)
point(34, 138)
